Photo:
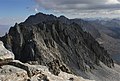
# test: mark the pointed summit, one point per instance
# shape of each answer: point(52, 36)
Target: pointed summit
point(38, 18)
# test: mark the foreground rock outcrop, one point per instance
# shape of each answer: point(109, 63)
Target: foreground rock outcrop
point(17, 71)
point(61, 46)
point(5, 55)
point(13, 70)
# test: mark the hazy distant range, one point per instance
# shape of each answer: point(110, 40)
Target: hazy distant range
point(4, 29)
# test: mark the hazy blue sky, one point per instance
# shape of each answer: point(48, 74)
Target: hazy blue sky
point(15, 10)
point(12, 11)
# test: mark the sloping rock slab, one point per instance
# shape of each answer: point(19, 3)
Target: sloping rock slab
point(5, 55)
point(17, 71)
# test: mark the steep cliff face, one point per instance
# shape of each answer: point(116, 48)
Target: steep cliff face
point(106, 32)
point(48, 41)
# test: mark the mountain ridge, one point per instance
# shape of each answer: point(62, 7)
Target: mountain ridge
point(109, 35)
point(59, 45)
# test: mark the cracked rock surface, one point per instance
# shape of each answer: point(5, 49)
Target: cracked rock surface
point(17, 71)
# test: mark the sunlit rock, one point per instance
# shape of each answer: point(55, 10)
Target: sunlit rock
point(5, 54)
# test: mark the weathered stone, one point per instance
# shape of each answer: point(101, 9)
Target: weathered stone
point(11, 73)
point(5, 55)
point(17, 71)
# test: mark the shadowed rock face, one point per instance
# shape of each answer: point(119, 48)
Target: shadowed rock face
point(58, 45)
point(88, 27)
point(106, 32)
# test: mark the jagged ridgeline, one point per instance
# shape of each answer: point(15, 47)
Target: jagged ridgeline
point(55, 42)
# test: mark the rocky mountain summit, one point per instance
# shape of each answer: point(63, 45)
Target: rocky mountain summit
point(60, 45)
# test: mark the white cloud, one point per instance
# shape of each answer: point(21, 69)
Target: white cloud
point(85, 7)
point(36, 10)
point(113, 2)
